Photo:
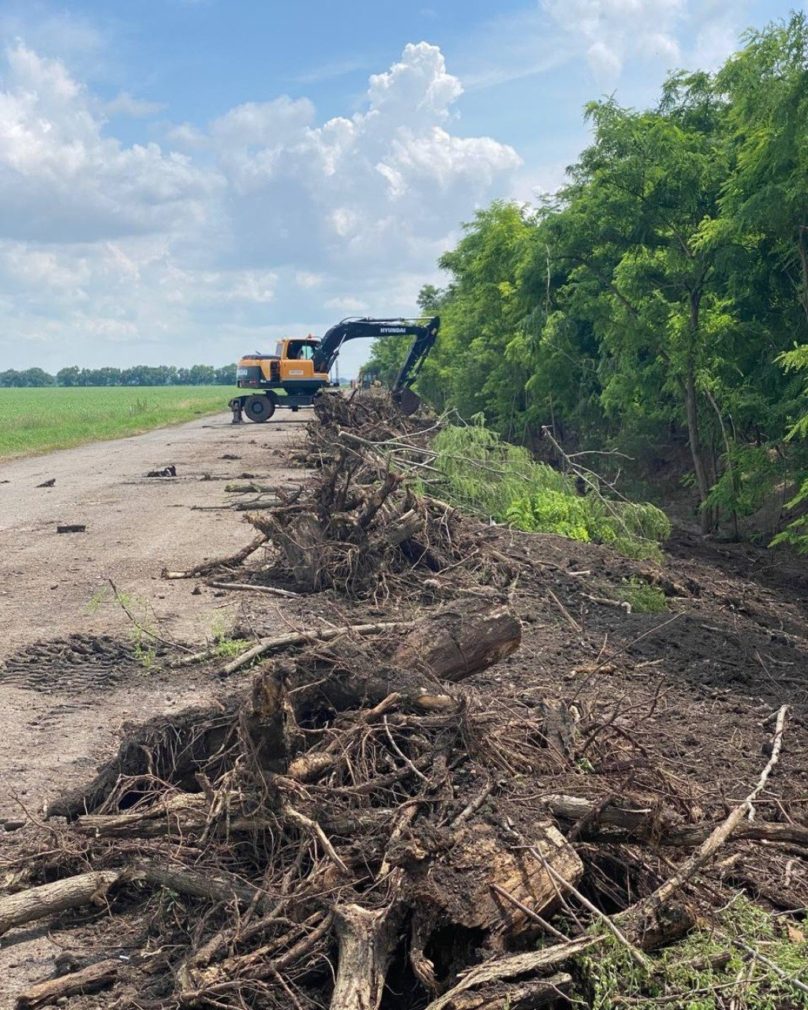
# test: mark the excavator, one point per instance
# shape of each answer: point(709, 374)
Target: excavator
point(299, 369)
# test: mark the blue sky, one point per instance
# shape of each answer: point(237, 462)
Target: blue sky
point(186, 180)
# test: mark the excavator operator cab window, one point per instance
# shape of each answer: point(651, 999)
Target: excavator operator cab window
point(299, 350)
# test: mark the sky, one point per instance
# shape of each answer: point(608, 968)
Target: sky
point(185, 181)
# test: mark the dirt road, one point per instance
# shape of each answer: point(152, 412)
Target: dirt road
point(63, 699)
point(68, 679)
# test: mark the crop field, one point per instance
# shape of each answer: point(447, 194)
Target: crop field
point(39, 420)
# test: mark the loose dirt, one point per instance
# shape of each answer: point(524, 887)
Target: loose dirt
point(691, 688)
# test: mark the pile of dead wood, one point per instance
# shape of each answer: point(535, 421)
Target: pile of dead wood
point(364, 829)
point(362, 525)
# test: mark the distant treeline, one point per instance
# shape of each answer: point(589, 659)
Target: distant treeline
point(137, 375)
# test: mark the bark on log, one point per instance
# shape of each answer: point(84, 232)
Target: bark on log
point(461, 887)
point(457, 643)
point(367, 940)
point(515, 996)
point(90, 979)
point(619, 818)
point(48, 899)
point(530, 962)
point(178, 813)
point(201, 885)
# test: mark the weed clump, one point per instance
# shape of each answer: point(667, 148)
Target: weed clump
point(642, 597)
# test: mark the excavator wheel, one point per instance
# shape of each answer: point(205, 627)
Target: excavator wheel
point(407, 401)
point(259, 408)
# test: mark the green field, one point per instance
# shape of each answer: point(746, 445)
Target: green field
point(38, 420)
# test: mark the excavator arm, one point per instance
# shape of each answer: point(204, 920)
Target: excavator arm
point(424, 335)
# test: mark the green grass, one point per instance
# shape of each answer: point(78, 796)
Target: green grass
point(39, 420)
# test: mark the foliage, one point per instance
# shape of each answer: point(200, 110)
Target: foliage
point(796, 533)
point(40, 420)
point(141, 617)
point(651, 303)
point(485, 475)
point(684, 977)
point(498, 480)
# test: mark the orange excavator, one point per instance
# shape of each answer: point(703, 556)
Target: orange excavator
point(299, 369)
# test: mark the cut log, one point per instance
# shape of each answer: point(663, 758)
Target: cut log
point(460, 641)
point(367, 940)
point(90, 979)
point(48, 899)
point(451, 645)
point(488, 884)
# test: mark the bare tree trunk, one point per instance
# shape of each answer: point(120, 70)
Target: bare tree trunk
point(702, 480)
point(692, 415)
point(802, 232)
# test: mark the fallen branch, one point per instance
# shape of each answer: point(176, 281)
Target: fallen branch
point(247, 587)
point(644, 911)
point(636, 955)
point(210, 566)
point(265, 645)
point(56, 990)
point(619, 819)
point(530, 962)
point(48, 899)
point(515, 996)
point(219, 887)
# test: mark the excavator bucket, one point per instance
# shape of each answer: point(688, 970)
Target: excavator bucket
point(407, 401)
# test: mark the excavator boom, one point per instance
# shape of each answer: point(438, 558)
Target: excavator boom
point(424, 335)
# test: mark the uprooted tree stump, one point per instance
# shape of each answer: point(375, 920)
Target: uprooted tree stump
point(345, 776)
point(362, 526)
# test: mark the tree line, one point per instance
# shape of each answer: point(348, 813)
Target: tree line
point(137, 375)
point(657, 305)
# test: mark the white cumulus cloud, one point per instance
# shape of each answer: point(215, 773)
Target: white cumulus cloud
point(112, 251)
point(62, 179)
point(612, 31)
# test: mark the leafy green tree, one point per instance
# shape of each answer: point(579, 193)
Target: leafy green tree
point(767, 193)
point(67, 376)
